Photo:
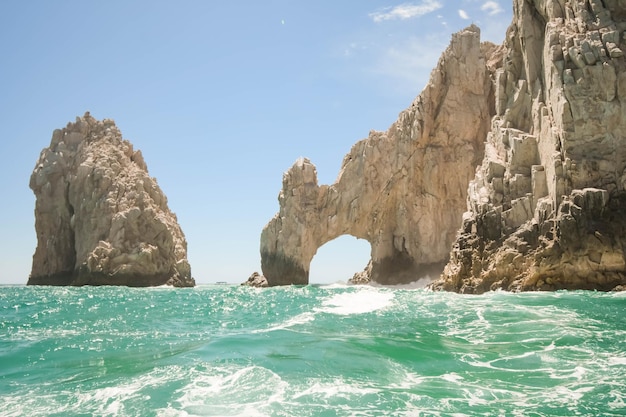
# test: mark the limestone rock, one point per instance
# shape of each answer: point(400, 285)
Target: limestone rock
point(403, 190)
point(363, 277)
point(255, 280)
point(546, 206)
point(100, 218)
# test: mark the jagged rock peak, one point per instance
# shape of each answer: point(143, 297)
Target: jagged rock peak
point(546, 206)
point(402, 190)
point(100, 218)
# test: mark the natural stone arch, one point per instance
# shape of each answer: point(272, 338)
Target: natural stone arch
point(404, 190)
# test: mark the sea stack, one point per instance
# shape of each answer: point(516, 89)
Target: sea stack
point(100, 218)
point(403, 190)
point(547, 207)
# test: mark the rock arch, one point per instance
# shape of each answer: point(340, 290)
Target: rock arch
point(404, 190)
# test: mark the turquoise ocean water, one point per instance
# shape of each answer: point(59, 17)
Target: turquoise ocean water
point(309, 351)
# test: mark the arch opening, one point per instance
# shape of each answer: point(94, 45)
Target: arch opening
point(339, 259)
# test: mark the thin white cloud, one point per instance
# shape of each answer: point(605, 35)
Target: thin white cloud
point(406, 11)
point(354, 48)
point(491, 7)
point(443, 22)
point(463, 14)
point(407, 64)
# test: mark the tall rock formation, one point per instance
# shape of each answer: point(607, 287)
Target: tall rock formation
point(547, 207)
point(100, 218)
point(403, 190)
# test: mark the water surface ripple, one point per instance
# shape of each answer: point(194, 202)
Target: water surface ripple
point(309, 351)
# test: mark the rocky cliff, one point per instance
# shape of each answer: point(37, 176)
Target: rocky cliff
point(403, 190)
point(547, 206)
point(534, 126)
point(100, 218)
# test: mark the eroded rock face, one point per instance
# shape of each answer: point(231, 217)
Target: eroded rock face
point(403, 190)
point(255, 280)
point(547, 206)
point(100, 218)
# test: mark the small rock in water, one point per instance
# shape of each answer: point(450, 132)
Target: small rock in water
point(256, 280)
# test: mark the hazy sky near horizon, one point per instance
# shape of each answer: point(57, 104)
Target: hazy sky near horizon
point(221, 98)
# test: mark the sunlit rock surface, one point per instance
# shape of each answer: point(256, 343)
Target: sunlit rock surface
point(403, 190)
point(547, 208)
point(535, 127)
point(255, 280)
point(100, 218)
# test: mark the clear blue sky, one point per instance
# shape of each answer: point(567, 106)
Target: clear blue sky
point(221, 98)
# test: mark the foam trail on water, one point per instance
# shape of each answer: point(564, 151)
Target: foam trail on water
point(363, 301)
point(230, 390)
point(289, 323)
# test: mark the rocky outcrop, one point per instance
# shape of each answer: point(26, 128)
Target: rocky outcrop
point(546, 209)
point(362, 277)
point(100, 218)
point(255, 280)
point(403, 190)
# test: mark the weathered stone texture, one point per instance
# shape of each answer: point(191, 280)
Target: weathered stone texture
point(403, 190)
point(546, 209)
point(255, 280)
point(100, 218)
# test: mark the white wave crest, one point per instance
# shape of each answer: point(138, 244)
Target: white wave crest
point(363, 301)
point(287, 324)
point(233, 391)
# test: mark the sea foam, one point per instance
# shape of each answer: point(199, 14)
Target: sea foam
point(362, 301)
